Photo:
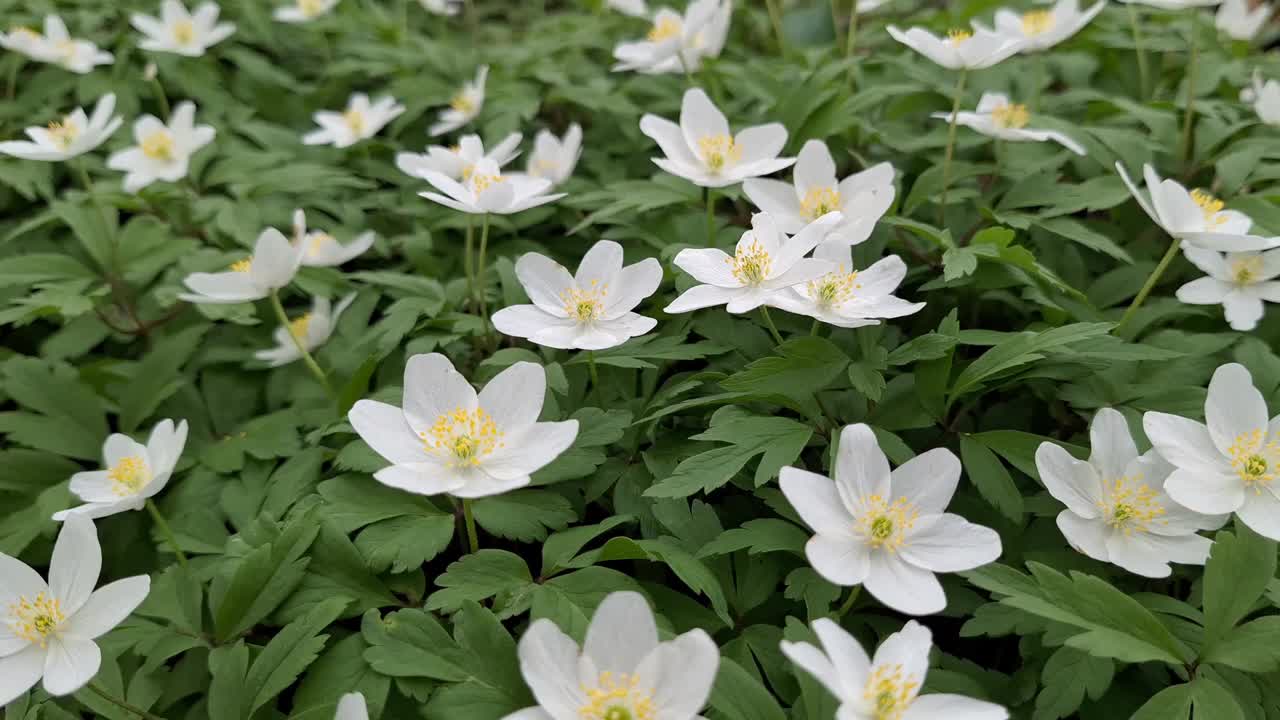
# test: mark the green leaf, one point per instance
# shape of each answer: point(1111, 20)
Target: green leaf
point(1213, 702)
point(1235, 576)
point(524, 515)
point(1068, 676)
point(405, 542)
point(802, 367)
point(288, 654)
point(1252, 647)
point(739, 695)
point(1172, 703)
point(1019, 351)
point(758, 536)
point(479, 576)
point(993, 481)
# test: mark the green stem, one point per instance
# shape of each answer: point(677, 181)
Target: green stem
point(595, 377)
point(468, 258)
point(481, 285)
point(97, 690)
point(851, 41)
point(1038, 80)
point(310, 362)
point(1188, 145)
point(817, 325)
point(1150, 284)
point(835, 23)
point(775, 19)
point(768, 320)
point(1143, 75)
point(711, 217)
point(161, 97)
point(469, 519)
point(951, 147)
point(849, 601)
point(13, 76)
point(163, 526)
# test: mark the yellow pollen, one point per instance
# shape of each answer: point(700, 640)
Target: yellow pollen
point(889, 692)
point(242, 265)
point(1130, 505)
point(298, 327)
point(480, 183)
point(665, 28)
point(311, 8)
point(63, 133)
point(719, 151)
point(129, 476)
point(1247, 270)
point(819, 201)
point(1037, 22)
point(463, 437)
point(586, 306)
point(752, 264)
point(34, 620)
point(355, 121)
point(466, 172)
point(1010, 116)
point(617, 697)
point(158, 145)
point(955, 37)
point(834, 288)
point(184, 31)
point(1255, 458)
point(1210, 206)
point(463, 103)
point(884, 525)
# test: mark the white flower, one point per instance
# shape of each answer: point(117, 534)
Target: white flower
point(1117, 508)
point(1231, 462)
point(1239, 21)
point(182, 32)
point(1195, 217)
point(701, 150)
point(554, 158)
point(634, 8)
point(441, 7)
point(1264, 97)
point(996, 117)
point(74, 135)
point(863, 198)
point(589, 311)
point(448, 439)
point(888, 686)
point(622, 670)
point(360, 121)
point(56, 46)
point(48, 629)
point(1041, 29)
point(163, 151)
point(272, 266)
point(320, 249)
point(135, 472)
point(846, 297)
point(676, 43)
point(304, 11)
point(1173, 4)
point(487, 190)
point(464, 107)
point(1239, 282)
point(960, 49)
point(352, 707)
point(887, 530)
point(764, 262)
point(458, 162)
point(311, 329)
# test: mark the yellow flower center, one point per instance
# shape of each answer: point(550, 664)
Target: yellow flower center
point(1010, 115)
point(63, 133)
point(884, 525)
point(184, 31)
point(355, 121)
point(25, 32)
point(1037, 22)
point(317, 243)
point(665, 28)
point(751, 264)
point(242, 265)
point(834, 289)
point(34, 620)
point(1210, 206)
point(463, 103)
point(128, 476)
point(819, 201)
point(298, 327)
point(955, 37)
point(480, 183)
point(66, 48)
point(463, 437)
point(1255, 458)
point(1130, 505)
point(617, 697)
point(719, 151)
point(889, 692)
point(586, 306)
point(158, 145)
point(1246, 270)
point(311, 8)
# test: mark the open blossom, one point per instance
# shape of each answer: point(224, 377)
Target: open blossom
point(764, 262)
point(1117, 508)
point(47, 629)
point(888, 531)
point(678, 43)
point(441, 7)
point(960, 49)
point(589, 311)
point(1041, 29)
point(862, 198)
point(1195, 217)
point(312, 330)
point(1230, 462)
point(163, 151)
point(701, 150)
point(56, 46)
point(272, 266)
point(998, 118)
point(621, 672)
point(1239, 21)
point(1239, 282)
point(846, 297)
point(555, 158)
point(180, 31)
point(320, 249)
point(886, 687)
point(464, 107)
point(1264, 97)
point(458, 162)
point(134, 472)
point(74, 135)
point(449, 439)
point(304, 11)
point(487, 190)
point(360, 121)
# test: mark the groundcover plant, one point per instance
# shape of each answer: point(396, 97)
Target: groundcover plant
point(611, 360)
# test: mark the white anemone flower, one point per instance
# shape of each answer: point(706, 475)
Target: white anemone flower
point(555, 158)
point(163, 151)
point(888, 531)
point(634, 8)
point(1240, 22)
point(360, 121)
point(998, 118)
point(304, 11)
point(180, 31)
point(764, 262)
point(1042, 28)
point(442, 7)
point(863, 198)
point(701, 149)
point(458, 162)
point(463, 107)
point(960, 49)
point(74, 135)
point(134, 472)
point(320, 249)
point(1239, 282)
point(588, 311)
point(846, 297)
point(1117, 507)
point(1229, 463)
point(272, 266)
point(678, 43)
point(449, 439)
point(487, 190)
point(886, 687)
point(56, 47)
point(1173, 4)
point(352, 706)
point(1195, 217)
point(622, 671)
point(312, 330)
point(47, 629)
point(1264, 97)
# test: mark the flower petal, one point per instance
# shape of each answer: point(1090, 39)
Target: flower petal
point(513, 398)
point(904, 587)
point(76, 563)
point(1235, 412)
point(383, 427)
point(1184, 443)
point(1210, 493)
point(1088, 536)
point(928, 480)
point(949, 543)
point(20, 672)
point(70, 665)
point(1261, 512)
point(549, 663)
point(107, 607)
point(862, 469)
point(953, 707)
point(432, 387)
point(685, 674)
point(1072, 482)
point(622, 633)
point(815, 498)
point(530, 451)
point(839, 559)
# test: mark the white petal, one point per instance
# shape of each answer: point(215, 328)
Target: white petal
point(422, 478)
point(848, 659)
point(700, 118)
point(1138, 557)
point(1243, 310)
point(545, 281)
point(531, 450)
point(949, 543)
point(1088, 536)
point(600, 265)
point(686, 674)
point(907, 649)
point(862, 469)
point(710, 266)
point(815, 662)
point(383, 427)
point(839, 559)
point(1204, 291)
point(432, 387)
point(480, 484)
point(953, 707)
point(352, 707)
point(20, 672)
point(549, 663)
point(108, 607)
point(70, 665)
point(904, 587)
point(928, 480)
point(621, 634)
point(76, 563)
point(1210, 493)
point(1261, 512)
point(702, 296)
point(1072, 482)
point(778, 199)
point(1184, 443)
point(513, 398)
point(815, 498)
point(525, 321)
point(815, 168)
point(1235, 412)
point(635, 283)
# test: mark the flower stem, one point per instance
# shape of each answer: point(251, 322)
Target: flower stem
point(163, 526)
point(310, 362)
point(97, 690)
point(161, 97)
point(481, 285)
point(1152, 279)
point(711, 217)
point(851, 41)
point(835, 24)
point(595, 377)
point(1038, 80)
point(775, 19)
point(468, 258)
point(1188, 145)
point(469, 519)
point(13, 76)
point(1143, 74)
point(817, 325)
point(849, 601)
point(951, 147)
point(768, 320)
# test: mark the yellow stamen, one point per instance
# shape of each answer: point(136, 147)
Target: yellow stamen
point(184, 31)
point(665, 28)
point(819, 201)
point(311, 8)
point(463, 437)
point(34, 620)
point(1010, 116)
point(884, 525)
point(889, 692)
point(317, 243)
point(480, 183)
point(1130, 505)
point(158, 145)
point(1256, 457)
point(1210, 206)
point(1037, 22)
point(617, 697)
point(129, 475)
point(957, 36)
point(242, 265)
point(463, 103)
point(834, 288)
point(63, 133)
point(719, 151)
point(355, 121)
point(586, 306)
point(298, 327)
point(1247, 270)
point(751, 264)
